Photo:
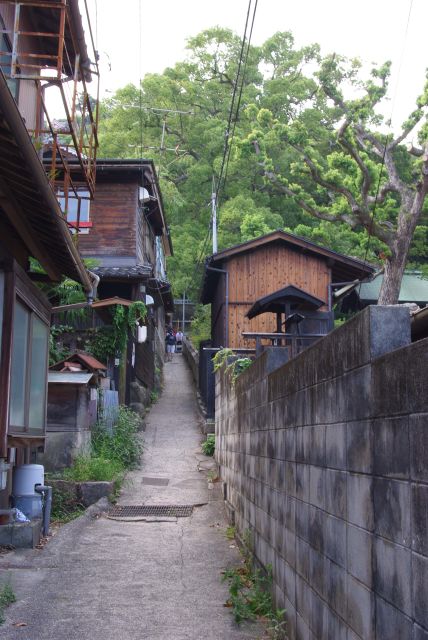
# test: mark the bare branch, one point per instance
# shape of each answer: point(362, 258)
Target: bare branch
point(406, 131)
point(383, 191)
point(414, 151)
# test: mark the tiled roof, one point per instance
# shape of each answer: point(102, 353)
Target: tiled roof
point(133, 273)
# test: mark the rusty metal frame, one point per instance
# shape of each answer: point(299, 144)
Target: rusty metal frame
point(59, 70)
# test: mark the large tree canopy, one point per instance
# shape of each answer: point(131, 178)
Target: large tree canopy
point(308, 153)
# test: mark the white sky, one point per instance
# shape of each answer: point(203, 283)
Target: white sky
point(373, 30)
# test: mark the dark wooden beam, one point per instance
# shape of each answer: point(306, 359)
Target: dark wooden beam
point(17, 218)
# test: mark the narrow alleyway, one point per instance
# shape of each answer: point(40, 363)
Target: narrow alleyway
point(157, 580)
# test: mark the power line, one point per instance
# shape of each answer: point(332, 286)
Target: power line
point(240, 94)
point(232, 104)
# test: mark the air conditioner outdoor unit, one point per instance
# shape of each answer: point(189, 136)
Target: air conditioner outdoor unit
point(144, 195)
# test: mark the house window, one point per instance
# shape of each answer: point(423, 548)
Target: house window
point(28, 371)
point(71, 208)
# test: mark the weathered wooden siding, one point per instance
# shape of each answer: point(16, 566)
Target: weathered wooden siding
point(113, 214)
point(263, 271)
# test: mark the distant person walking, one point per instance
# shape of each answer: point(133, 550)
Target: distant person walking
point(170, 342)
point(179, 338)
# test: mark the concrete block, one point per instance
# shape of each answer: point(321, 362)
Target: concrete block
point(335, 446)
point(317, 445)
point(290, 444)
point(319, 617)
point(90, 492)
point(302, 519)
point(290, 617)
point(289, 585)
point(356, 395)
point(302, 558)
point(290, 547)
point(391, 449)
point(420, 589)
point(360, 505)
point(336, 628)
point(391, 500)
point(317, 486)
point(418, 428)
point(392, 575)
point(389, 329)
point(317, 528)
point(303, 631)
point(419, 633)
point(26, 535)
point(419, 511)
point(303, 599)
point(360, 554)
point(302, 482)
point(318, 572)
point(336, 588)
point(360, 446)
point(335, 540)
point(290, 513)
point(290, 478)
point(336, 492)
point(391, 623)
point(360, 608)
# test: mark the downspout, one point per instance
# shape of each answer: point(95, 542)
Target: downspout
point(226, 273)
point(90, 297)
point(47, 505)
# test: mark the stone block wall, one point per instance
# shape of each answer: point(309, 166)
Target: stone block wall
point(325, 461)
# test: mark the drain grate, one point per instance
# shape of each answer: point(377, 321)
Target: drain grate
point(138, 510)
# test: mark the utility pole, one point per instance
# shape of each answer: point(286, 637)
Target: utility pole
point(214, 216)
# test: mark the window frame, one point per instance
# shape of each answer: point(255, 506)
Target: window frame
point(84, 225)
point(14, 429)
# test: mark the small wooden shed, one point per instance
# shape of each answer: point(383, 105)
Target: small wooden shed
point(72, 410)
point(237, 277)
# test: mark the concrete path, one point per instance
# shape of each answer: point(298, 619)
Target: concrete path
point(101, 579)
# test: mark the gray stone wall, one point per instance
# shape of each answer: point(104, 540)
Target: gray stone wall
point(325, 461)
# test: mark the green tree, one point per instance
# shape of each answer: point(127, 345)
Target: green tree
point(347, 159)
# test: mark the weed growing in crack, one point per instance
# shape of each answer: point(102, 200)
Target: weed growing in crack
point(7, 597)
point(250, 592)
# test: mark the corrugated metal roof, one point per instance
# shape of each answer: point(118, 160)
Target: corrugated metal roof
point(69, 377)
point(414, 288)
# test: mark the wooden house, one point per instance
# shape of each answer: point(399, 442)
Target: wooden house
point(237, 277)
point(32, 224)
point(124, 230)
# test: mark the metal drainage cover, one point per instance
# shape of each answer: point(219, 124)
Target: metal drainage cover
point(134, 511)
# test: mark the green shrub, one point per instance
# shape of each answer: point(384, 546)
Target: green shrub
point(7, 597)
point(65, 506)
point(123, 446)
point(208, 447)
point(88, 468)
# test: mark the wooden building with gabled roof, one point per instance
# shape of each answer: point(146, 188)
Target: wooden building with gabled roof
point(237, 277)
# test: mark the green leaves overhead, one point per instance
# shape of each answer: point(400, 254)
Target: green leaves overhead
point(305, 147)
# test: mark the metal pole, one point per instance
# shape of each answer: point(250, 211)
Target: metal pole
point(183, 312)
point(214, 216)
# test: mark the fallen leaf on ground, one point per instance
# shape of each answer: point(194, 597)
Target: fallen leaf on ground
point(19, 624)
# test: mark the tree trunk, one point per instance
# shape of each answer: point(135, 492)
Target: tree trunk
point(396, 263)
point(391, 284)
